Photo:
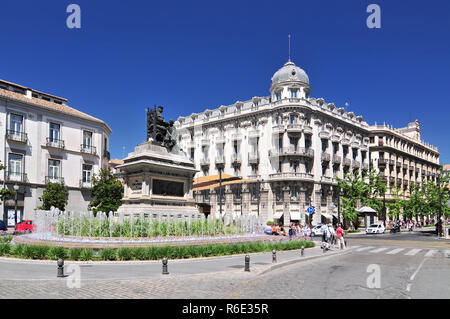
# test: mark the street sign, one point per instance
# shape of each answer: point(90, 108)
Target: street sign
point(310, 210)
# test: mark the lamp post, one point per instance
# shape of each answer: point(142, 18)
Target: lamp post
point(440, 231)
point(258, 185)
point(220, 192)
point(16, 189)
point(339, 204)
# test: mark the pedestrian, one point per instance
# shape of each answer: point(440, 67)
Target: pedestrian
point(340, 237)
point(324, 229)
point(290, 232)
point(307, 232)
point(332, 234)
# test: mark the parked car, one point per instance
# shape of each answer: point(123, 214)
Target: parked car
point(3, 226)
point(316, 231)
point(375, 229)
point(26, 226)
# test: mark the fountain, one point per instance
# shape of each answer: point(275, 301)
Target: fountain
point(86, 229)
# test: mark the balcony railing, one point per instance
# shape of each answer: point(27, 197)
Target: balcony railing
point(16, 177)
point(236, 158)
point(278, 128)
point(16, 136)
point(398, 164)
point(204, 161)
point(85, 184)
point(347, 162)
point(205, 141)
point(292, 175)
point(336, 159)
point(383, 161)
point(324, 134)
point(391, 162)
point(326, 179)
point(392, 180)
point(253, 158)
point(54, 179)
point(405, 166)
point(220, 139)
point(106, 154)
point(365, 166)
point(88, 149)
point(220, 160)
point(307, 129)
point(294, 128)
point(356, 164)
point(325, 157)
point(52, 142)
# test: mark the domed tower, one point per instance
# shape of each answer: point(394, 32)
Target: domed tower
point(289, 82)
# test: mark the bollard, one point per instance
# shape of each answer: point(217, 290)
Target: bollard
point(324, 247)
point(274, 256)
point(247, 263)
point(60, 264)
point(303, 251)
point(164, 266)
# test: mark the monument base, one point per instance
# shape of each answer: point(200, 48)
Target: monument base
point(158, 182)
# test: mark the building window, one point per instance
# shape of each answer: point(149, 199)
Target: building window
point(15, 167)
point(278, 96)
point(293, 93)
point(54, 170)
point(294, 193)
point(87, 174)
point(87, 139)
point(54, 134)
point(15, 124)
point(192, 153)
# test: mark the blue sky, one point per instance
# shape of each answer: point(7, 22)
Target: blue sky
point(193, 55)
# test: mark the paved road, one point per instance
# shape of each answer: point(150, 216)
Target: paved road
point(411, 265)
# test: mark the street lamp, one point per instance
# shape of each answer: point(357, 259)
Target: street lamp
point(16, 189)
point(258, 185)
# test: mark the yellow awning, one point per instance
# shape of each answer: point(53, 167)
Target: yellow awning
point(216, 184)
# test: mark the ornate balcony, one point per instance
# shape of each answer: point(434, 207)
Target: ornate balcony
point(347, 162)
point(336, 159)
point(88, 149)
point(382, 161)
point(292, 176)
point(345, 141)
point(253, 158)
point(16, 177)
point(391, 162)
point(405, 166)
point(326, 179)
point(253, 134)
point(205, 141)
point(417, 170)
point(335, 138)
point(324, 134)
point(220, 161)
point(356, 164)
point(51, 142)
point(54, 179)
point(294, 128)
point(405, 182)
point(391, 180)
point(236, 158)
point(278, 129)
point(85, 184)
point(398, 164)
point(204, 161)
point(292, 151)
point(307, 129)
point(236, 137)
point(365, 166)
point(325, 157)
point(16, 136)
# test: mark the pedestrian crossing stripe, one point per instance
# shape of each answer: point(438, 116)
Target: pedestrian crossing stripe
point(430, 253)
point(378, 250)
point(412, 252)
point(395, 251)
point(364, 248)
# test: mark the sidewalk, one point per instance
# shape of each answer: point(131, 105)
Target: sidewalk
point(13, 269)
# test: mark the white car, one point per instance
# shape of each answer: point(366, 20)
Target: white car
point(316, 231)
point(375, 229)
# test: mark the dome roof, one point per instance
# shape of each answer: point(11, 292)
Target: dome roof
point(290, 72)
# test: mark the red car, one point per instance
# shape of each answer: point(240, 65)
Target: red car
point(25, 227)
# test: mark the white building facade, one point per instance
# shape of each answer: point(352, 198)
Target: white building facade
point(288, 146)
point(46, 140)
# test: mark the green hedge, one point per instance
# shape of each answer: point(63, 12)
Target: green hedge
point(146, 253)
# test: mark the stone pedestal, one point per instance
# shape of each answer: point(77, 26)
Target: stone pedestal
point(158, 182)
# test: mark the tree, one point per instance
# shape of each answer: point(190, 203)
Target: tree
point(396, 207)
point(367, 188)
point(107, 192)
point(55, 194)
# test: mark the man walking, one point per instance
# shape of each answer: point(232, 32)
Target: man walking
point(340, 236)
